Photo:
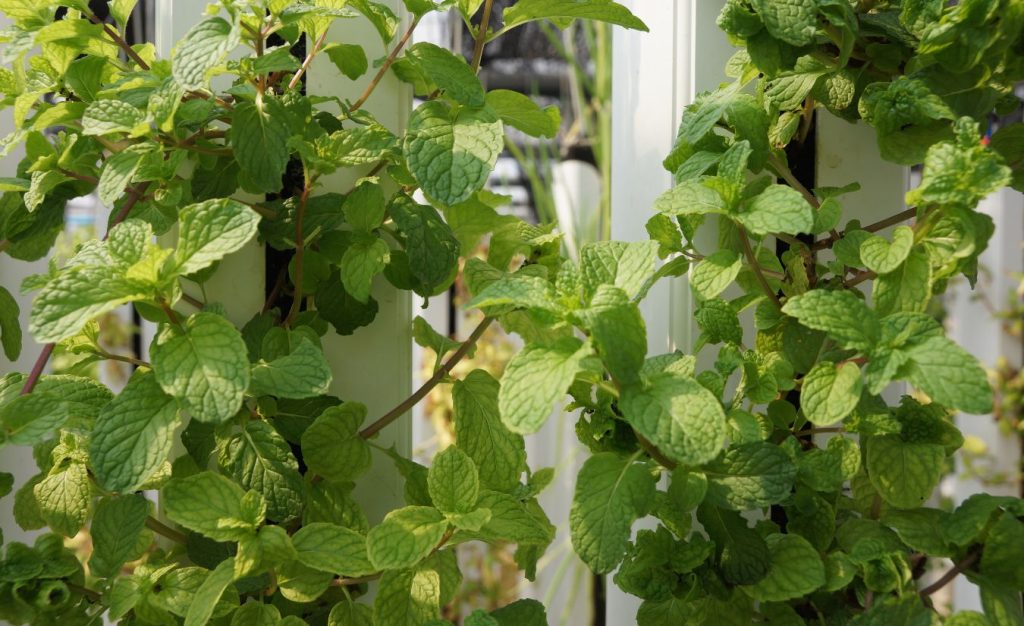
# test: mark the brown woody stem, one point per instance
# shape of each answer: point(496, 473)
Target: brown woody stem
point(957, 569)
point(358, 104)
point(309, 60)
point(120, 41)
point(481, 35)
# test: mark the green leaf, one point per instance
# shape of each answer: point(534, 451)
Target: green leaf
point(104, 117)
point(259, 139)
point(1003, 551)
point(332, 447)
point(204, 365)
point(679, 416)
point(624, 265)
point(499, 454)
point(691, 197)
point(563, 10)
point(905, 474)
point(63, 499)
point(453, 481)
point(830, 392)
point(28, 419)
point(304, 373)
point(121, 10)
point(333, 549)
point(203, 48)
point(796, 570)
point(535, 379)
point(115, 531)
point(364, 206)
point(520, 111)
point(449, 72)
point(210, 231)
point(133, 434)
point(743, 554)
point(209, 593)
point(79, 294)
point(10, 325)
point(778, 209)
point(432, 247)
point(612, 492)
point(118, 171)
point(350, 59)
point(841, 314)
point(907, 288)
point(350, 614)
point(213, 505)
point(750, 476)
point(409, 597)
point(793, 21)
point(256, 614)
point(452, 151)
point(405, 537)
point(363, 260)
point(711, 276)
point(950, 376)
point(883, 257)
point(618, 332)
point(258, 458)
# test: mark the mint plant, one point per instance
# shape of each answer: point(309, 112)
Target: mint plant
point(757, 520)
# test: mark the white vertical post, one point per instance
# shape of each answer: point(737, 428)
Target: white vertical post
point(654, 76)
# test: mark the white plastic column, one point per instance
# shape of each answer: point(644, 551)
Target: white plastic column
point(373, 366)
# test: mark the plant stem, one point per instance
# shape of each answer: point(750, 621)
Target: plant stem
point(818, 431)
point(196, 302)
point(119, 40)
point(426, 388)
point(358, 104)
point(481, 35)
point(349, 582)
point(655, 453)
point(160, 528)
point(902, 216)
point(82, 177)
point(299, 250)
point(957, 569)
point(787, 175)
point(758, 271)
point(93, 596)
point(309, 60)
point(860, 277)
point(171, 315)
point(125, 359)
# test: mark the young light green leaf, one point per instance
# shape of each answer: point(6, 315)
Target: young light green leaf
point(950, 375)
point(133, 434)
point(212, 505)
point(405, 537)
point(63, 499)
point(612, 492)
point(520, 111)
point(563, 10)
point(202, 49)
point(204, 365)
point(841, 314)
point(711, 276)
point(79, 294)
point(796, 570)
point(905, 474)
point(793, 21)
point(332, 447)
point(691, 197)
point(453, 481)
point(881, 256)
point(778, 209)
point(115, 531)
point(624, 265)
point(451, 152)
point(350, 59)
point(304, 373)
point(537, 378)
point(408, 597)
point(211, 230)
point(679, 416)
point(499, 454)
point(209, 593)
point(333, 549)
point(28, 419)
point(118, 171)
point(830, 392)
point(750, 476)
point(104, 117)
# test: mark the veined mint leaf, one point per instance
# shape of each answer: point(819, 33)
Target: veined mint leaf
point(520, 111)
point(408, 597)
point(750, 476)
point(304, 373)
point(500, 455)
point(624, 265)
point(743, 554)
point(778, 209)
point(258, 458)
point(711, 276)
point(537, 378)
point(905, 474)
point(204, 365)
point(618, 332)
point(332, 447)
point(908, 288)
point(259, 138)
point(350, 59)
point(209, 593)
point(841, 314)
point(691, 197)
point(830, 392)
point(1002, 553)
point(27, 419)
point(104, 117)
point(679, 416)
point(213, 505)
point(63, 499)
point(612, 492)
point(432, 247)
point(211, 230)
point(515, 290)
point(564, 10)
point(451, 151)
point(405, 537)
point(363, 260)
point(203, 48)
point(79, 294)
point(950, 375)
point(350, 614)
point(453, 481)
point(118, 171)
point(333, 549)
point(365, 206)
point(449, 72)
point(793, 21)
point(10, 326)
point(116, 526)
point(881, 256)
point(133, 434)
point(796, 570)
